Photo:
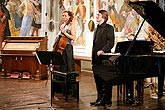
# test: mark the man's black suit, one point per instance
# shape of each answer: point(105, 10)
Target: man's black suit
point(103, 40)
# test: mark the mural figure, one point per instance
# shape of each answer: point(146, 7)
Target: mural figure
point(15, 17)
point(91, 9)
point(4, 17)
point(110, 6)
point(80, 13)
point(153, 35)
point(132, 23)
point(28, 10)
point(123, 13)
point(61, 8)
point(113, 14)
point(36, 24)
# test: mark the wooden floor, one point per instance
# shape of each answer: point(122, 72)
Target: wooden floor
point(20, 94)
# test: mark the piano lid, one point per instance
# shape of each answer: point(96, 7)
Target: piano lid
point(152, 13)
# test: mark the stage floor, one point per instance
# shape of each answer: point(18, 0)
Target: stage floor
point(19, 94)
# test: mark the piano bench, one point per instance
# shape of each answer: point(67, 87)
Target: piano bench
point(68, 85)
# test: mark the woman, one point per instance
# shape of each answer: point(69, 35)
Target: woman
point(67, 32)
point(67, 29)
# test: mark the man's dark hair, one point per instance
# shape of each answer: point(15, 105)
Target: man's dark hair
point(104, 15)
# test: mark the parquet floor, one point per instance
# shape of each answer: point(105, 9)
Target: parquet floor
point(21, 94)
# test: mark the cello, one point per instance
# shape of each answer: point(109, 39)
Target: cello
point(61, 41)
point(60, 44)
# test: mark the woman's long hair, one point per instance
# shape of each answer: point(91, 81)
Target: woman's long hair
point(71, 16)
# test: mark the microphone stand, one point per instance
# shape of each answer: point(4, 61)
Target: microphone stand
point(50, 73)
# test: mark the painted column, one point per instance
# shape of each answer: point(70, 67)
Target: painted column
point(43, 31)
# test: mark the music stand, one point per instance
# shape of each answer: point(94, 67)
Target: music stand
point(49, 58)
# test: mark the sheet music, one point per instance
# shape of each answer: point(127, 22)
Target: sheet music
point(38, 58)
point(162, 51)
point(112, 56)
point(112, 53)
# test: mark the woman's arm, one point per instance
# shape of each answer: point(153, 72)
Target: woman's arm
point(73, 32)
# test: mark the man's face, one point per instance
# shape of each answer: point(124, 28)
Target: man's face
point(99, 17)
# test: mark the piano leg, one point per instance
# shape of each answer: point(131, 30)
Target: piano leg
point(161, 62)
point(129, 92)
point(140, 91)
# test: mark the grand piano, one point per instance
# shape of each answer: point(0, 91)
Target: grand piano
point(137, 60)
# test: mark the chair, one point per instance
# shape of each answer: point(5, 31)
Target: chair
point(66, 79)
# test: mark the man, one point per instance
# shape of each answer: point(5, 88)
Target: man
point(103, 43)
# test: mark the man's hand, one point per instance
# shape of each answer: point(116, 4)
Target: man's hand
point(99, 52)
